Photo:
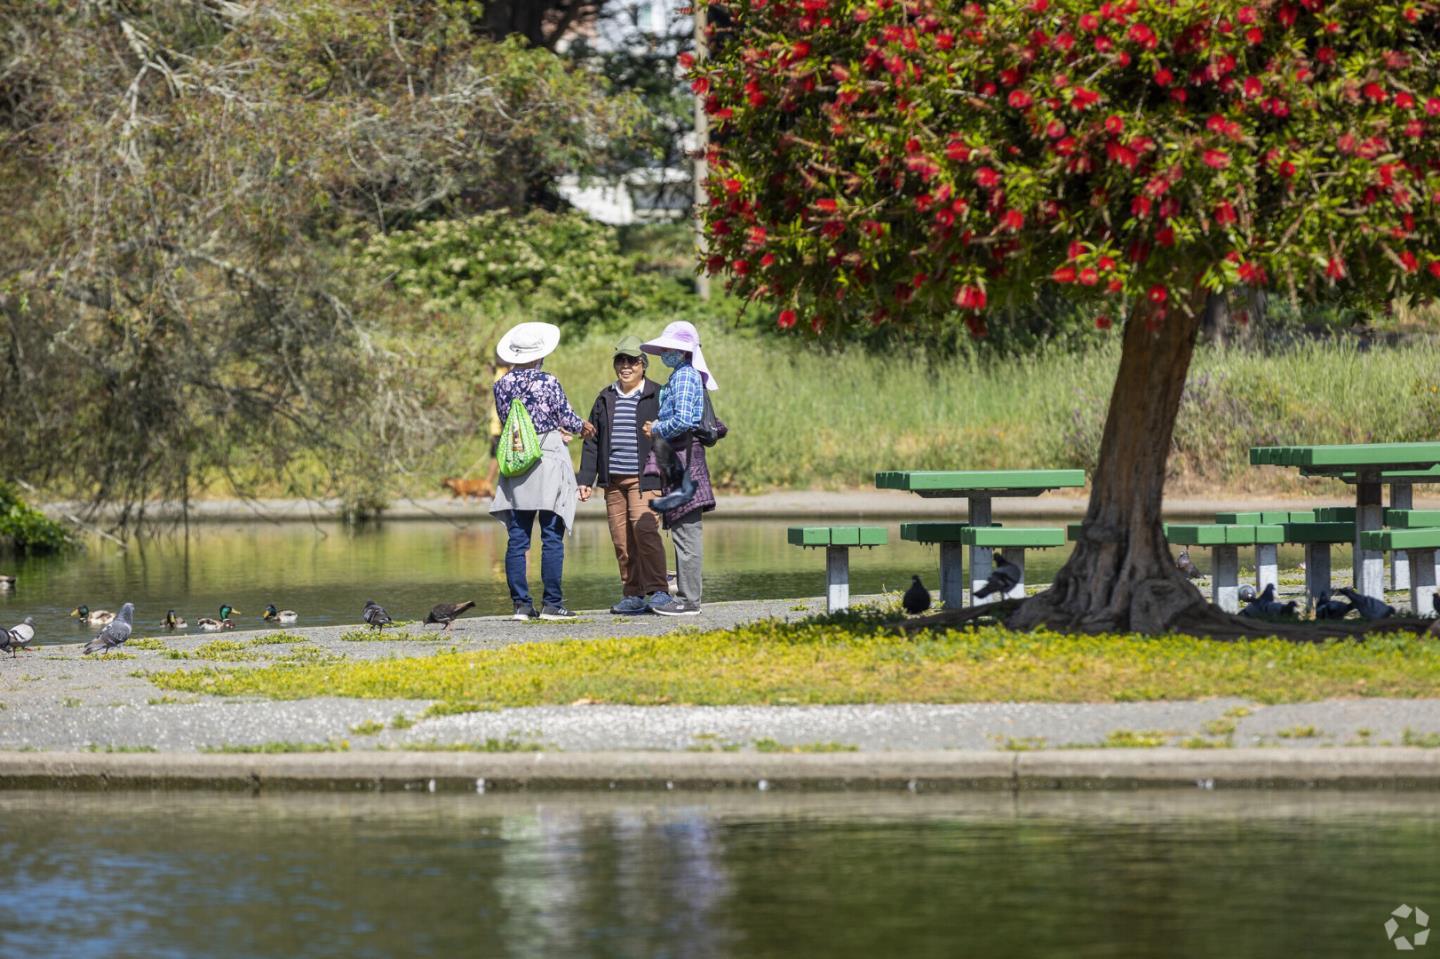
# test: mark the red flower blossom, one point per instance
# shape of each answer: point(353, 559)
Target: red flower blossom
point(987, 177)
point(1218, 159)
point(1012, 220)
point(1019, 99)
point(1064, 274)
point(1115, 124)
point(1088, 277)
point(826, 205)
point(1335, 268)
point(1164, 77)
point(786, 319)
point(1224, 213)
point(1409, 261)
point(1102, 322)
point(1158, 294)
point(970, 298)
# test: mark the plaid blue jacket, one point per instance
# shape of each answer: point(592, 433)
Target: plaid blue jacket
point(682, 402)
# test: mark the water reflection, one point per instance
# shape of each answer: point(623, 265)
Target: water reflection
point(1135, 875)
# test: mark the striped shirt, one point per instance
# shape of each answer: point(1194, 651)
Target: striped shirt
point(624, 433)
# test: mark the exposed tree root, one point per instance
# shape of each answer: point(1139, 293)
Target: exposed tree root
point(1191, 619)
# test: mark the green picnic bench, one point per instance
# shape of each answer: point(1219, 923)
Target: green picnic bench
point(837, 542)
point(952, 539)
point(1415, 534)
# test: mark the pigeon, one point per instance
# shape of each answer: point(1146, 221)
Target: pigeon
point(1264, 606)
point(224, 622)
point(92, 617)
point(1003, 577)
point(1370, 608)
point(1186, 565)
point(375, 615)
point(1268, 596)
point(1247, 593)
point(113, 636)
point(674, 475)
point(171, 621)
point(1327, 607)
point(273, 615)
point(447, 613)
point(917, 598)
point(18, 638)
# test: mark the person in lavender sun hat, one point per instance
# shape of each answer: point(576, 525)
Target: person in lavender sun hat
point(682, 408)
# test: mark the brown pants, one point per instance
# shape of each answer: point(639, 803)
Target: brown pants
point(635, 531)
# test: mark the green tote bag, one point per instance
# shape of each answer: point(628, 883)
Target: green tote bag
point(519, 446)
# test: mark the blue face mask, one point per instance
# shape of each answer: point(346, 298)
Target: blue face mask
point(672, 358)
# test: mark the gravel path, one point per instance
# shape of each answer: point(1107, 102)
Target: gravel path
point(55, 699)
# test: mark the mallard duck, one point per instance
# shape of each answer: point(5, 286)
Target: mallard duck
point(171, 621)
point(6, 582)
point(224, 622)
point(273, 615)
point(93, 617)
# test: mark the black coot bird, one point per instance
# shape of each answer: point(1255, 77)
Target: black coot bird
point(375, 615)
point(1002, 579)
point(114, 634)
point(446, 613)
point(917, 598)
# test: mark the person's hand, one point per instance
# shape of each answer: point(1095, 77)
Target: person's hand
point(585, 492)
point(566, 437)
point(647, 428)
point(587, 429)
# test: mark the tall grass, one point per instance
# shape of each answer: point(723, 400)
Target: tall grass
point(800, 418)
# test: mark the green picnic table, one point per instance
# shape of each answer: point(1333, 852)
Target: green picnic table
point(980, 488)
point(1368, 467)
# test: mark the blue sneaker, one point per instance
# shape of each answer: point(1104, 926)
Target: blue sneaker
point(660, 600)
point(631, 606)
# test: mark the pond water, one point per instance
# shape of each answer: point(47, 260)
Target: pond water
point(1099, 875)
point(326, 572)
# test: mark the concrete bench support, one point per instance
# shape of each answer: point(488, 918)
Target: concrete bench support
point(980, 563)
point(952, 576)
point(1016, 556)
point(1421, 563)
point(837, 578)
point(1225, 578)
point(1402, 496)
point(1369, 563)
point(1267, 566)
point(1317, 572)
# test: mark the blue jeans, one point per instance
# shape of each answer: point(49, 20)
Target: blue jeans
point(552, 554)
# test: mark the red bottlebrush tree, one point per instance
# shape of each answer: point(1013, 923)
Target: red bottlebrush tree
point(885, 162)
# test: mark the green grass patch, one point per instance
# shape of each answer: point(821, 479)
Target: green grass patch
point(772, 746)
point(369, 635)
point(121, 749)
point(1022, 744)
point(1427, 740)
point(401, 721)
point(1200, 742)
point(277, 639)
point(368, 728)
point(333, 746)
point(854, 661)
point(1130, 739)
point(225, 651)
point(146, 642)
point(1299, 732)
point(507, 745)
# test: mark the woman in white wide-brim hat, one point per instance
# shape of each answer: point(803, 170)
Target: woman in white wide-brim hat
point(682, 408)
point(547, 491)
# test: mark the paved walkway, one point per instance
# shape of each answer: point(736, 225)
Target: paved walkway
point(55, 699)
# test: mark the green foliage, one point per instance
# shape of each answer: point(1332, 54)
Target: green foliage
point(891, 163)
point(558, 268)
point(24, 529)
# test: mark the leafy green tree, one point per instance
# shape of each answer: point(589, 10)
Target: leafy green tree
point(891, 162)
point(175, 309)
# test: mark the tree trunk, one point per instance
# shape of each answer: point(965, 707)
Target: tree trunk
point(1121, 575)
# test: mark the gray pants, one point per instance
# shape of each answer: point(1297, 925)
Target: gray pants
point(689, 554)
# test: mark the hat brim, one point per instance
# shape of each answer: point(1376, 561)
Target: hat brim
point(658, 346)
point(540, 342)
